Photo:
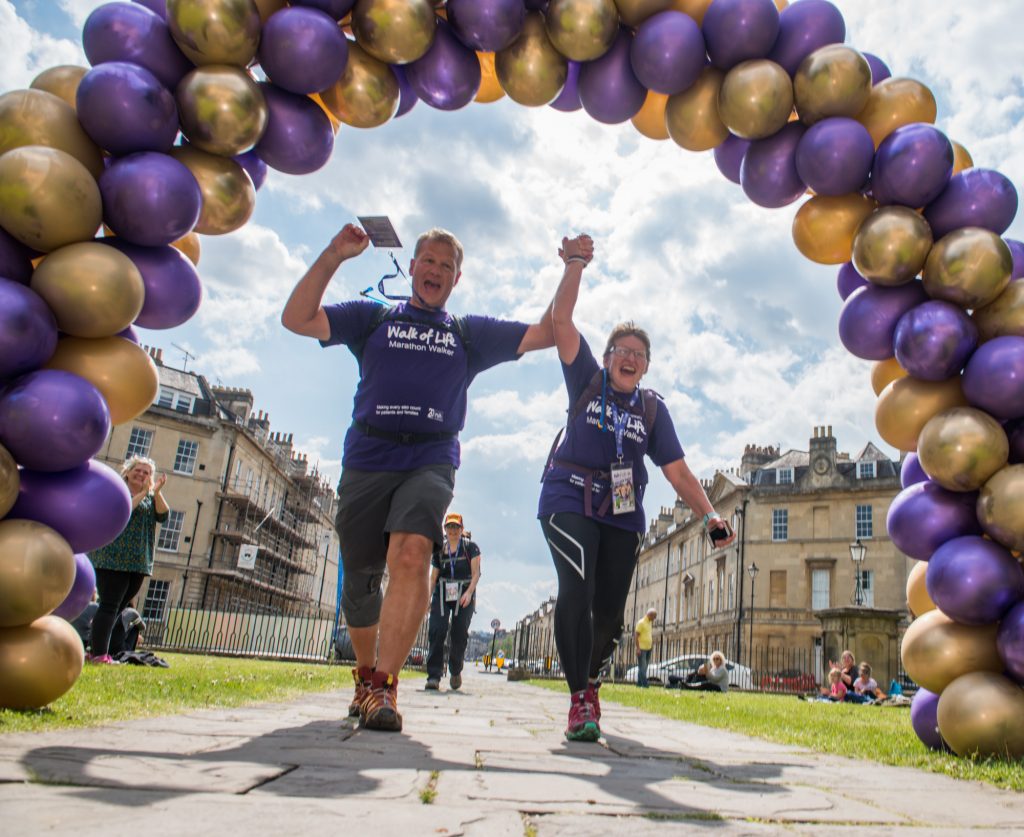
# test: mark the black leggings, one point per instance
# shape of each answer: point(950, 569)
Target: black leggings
point(114, 590)
point(595, 564)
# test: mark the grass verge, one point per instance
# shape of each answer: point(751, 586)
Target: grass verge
point(107, 694)
point(870, 733)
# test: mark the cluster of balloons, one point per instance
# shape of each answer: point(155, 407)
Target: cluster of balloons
point(188, 102)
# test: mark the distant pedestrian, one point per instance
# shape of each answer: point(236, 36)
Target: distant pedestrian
point(643, 636)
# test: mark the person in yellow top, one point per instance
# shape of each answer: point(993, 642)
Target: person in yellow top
point(644, 635)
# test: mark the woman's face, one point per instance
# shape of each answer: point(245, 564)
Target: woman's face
point(847, 660)
point(626, 363)
point(138, 477)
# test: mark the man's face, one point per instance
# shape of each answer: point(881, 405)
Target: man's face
point(434, 274)
point(652, 616)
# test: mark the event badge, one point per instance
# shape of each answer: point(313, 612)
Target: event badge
point(451, 591)
point(380, 230)
point(623, 497)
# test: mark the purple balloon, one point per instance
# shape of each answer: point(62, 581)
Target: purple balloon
point(89, 505)
point(569, 99)
point(447, 76)
point(729, 156)
point(150, 198)
point(335, 9)
point(911, 472)
point(924, 516)
point(1017, 251)
point(609, 90)
point(302, 50)
point(934, 340)
point(879, 69)
point(974, 581)
point(407, 97)
point(768, 174)
point(1010, 642)
point(132, 32)
point(973, 198)
point(28, 330)
point(15, 259)
point(924, 718)
point(299, 138)
point(157, 7)
point(803, 28)
point(486, 25)
point(912, 166)
point(994, 377)
point(834, 156)
point(52, 420)
point(129, 333)
point(253, 166)
point(869, 317)
point(667, 54)
point(848, 280)
point(81, 590)
point(173, 290)
point(124, 108)
point(738, 30)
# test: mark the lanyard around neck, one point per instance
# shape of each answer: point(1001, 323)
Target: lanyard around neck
point(619, 420)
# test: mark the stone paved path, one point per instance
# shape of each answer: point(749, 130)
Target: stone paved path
point(491, 759)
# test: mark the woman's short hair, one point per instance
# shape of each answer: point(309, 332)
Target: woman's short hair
point(132, 461)
point(866, 668)
point(628, 329)
point(440, 234)
point(717, 655)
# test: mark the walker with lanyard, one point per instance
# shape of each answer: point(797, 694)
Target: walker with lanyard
point(621, 473)
point(451, 591)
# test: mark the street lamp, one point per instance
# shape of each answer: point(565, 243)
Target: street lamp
point(857, 552)
point(752, 571)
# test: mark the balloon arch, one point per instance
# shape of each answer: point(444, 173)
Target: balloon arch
point(788, 109)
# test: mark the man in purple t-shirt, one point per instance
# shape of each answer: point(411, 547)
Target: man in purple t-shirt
point(402, 449)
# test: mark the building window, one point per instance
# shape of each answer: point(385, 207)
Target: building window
point(780, 524)
point(165, 398)
point(173, 400)
point(711, 596)
point(732, 585)
point(156, 601)
point(139, 443)
point(185, 458)
point(867, 588)
point(820, 582)
point(784, 476)
point(865, 470)
point(170, 532)
point(865, 522)
point(183, 403)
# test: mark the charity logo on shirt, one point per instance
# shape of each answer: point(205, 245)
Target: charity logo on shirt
point(420, 338)
point(635, 430)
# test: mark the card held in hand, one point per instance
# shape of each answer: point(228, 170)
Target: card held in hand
point(380, 230)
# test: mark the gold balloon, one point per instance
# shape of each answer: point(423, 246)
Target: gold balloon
point(962, 159)
point(189, 245)
point(92, 289)
point(825, 226)
point(47, 198)
point(896, 102)
point(222, 109)
point(834, 80)
point(10, 481)
point(582, 30)
point(891, 245)
point(40, 662)
point(394, 31)
point(215, 31)
point(918, 599)
point(694, 8)
point(1003, 316)
point(981, 714)
point(969, 267)
point(781, 4)
point(366, 95)
point(650, 119)
point(635, 12)
point(692, 116)
point(229, 197)
point(755, 99)
point(936, 650)
point(121, 370)
point(906, 404)
point(61, 81)
point(1001, 507)
point(35, 117)
point(335, 122)
point(530, 69)
point(37, 569)
point(490, 88)
point(962, 447)
point(884, 372)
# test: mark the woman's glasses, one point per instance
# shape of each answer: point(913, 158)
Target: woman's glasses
point(626, 353)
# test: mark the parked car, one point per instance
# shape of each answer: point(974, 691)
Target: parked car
point(739, 675)
point(343, 644)
point(416, 657)
point(789, 680)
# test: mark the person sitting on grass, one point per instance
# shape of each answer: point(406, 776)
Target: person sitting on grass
point(865, 685)
point(711, 676)
point(836, 691)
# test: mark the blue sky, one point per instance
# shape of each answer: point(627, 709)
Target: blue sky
point(744, 329)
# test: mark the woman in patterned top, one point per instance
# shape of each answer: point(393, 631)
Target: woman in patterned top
point(122, 565)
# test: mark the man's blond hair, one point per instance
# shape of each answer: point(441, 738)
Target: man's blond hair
point(439, 234)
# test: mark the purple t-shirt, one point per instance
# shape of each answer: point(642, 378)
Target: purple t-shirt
point(414, 374)
point(586, 444)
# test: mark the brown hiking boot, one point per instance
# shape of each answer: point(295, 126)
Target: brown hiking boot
point(380, 706)
point(362, 678)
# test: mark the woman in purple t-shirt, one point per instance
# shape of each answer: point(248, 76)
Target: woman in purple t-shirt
point(591, 501)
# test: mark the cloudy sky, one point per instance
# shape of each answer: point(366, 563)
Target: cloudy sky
point(744, 329)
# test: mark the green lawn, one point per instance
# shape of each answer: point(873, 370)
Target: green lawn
point(876, 733)
point(104, 694)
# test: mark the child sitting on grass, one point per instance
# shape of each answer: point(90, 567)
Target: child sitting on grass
point(866, 686)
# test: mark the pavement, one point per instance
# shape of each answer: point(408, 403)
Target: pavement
point(487, 760)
